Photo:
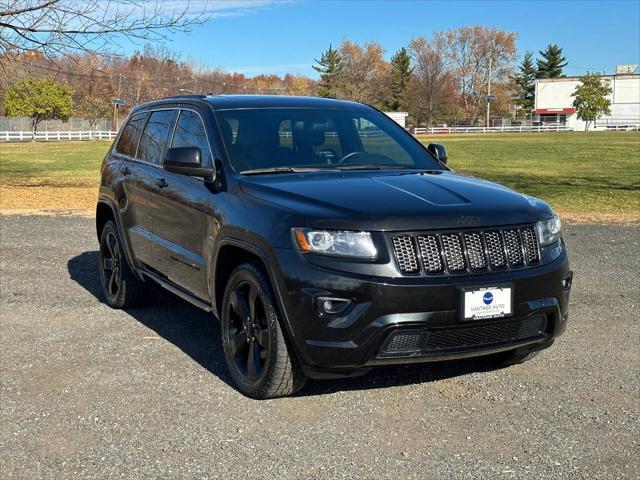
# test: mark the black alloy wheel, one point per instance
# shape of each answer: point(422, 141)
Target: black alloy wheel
point(248, 331)
point(111, 256)
point(260, 360)
point(121, 288)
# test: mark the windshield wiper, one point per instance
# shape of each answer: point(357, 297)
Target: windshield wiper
point(375, 167)
point(359, 167)
point(260, 171)
point(385, 167)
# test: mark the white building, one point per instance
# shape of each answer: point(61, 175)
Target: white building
point(554, 103)
point(398, 117)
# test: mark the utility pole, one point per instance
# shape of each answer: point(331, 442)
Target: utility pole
point(489, 93)
point(115, 105)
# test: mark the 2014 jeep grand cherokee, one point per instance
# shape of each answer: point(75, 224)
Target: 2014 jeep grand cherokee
point(325, 238)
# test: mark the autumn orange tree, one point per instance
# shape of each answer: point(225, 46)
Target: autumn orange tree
point(364, 73)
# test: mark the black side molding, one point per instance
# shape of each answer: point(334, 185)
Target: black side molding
point(185, 295)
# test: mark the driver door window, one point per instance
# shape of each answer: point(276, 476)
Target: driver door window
point(155, 136)
point(190, 132)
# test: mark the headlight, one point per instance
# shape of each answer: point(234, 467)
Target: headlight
point(335, 242)
point(549, 231)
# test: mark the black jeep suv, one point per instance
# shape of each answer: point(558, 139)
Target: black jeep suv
point(325, 238)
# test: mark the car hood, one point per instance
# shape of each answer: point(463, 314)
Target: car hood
point(386, 200)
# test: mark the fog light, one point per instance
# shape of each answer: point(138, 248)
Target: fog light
point(333, 306)
point(566, 283)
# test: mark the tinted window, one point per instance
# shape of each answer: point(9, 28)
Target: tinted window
point(190, 133)
point(155, 136)
point(375, 141)
point(318, 138)
point(130, 135)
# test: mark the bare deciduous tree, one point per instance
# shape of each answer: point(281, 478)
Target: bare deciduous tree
point(474, 53)
point(431, 89)
point(63, 27)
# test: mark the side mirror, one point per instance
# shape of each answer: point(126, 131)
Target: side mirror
point(187, 161)
point(439, 151)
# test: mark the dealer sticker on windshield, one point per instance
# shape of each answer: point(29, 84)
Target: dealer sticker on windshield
point(488, 302)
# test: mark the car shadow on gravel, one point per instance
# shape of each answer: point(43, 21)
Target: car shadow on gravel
point(197, 334)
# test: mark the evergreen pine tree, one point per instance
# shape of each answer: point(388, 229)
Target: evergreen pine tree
point(401, 72)
point(525, 79)
point(329, 66)
point(552, 62)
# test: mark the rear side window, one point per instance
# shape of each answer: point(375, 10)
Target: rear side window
point(190, 133)
point(130, 135)
point(156, 135)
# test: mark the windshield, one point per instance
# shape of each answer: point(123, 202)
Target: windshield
point(283, 139)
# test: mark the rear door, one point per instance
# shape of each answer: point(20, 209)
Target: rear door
point(183, 207)
point(134, 214)
point(144, 187)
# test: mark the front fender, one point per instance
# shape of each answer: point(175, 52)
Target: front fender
point(263, 250)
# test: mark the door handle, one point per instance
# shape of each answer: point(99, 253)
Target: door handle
point(125, 170)
point(162, 183)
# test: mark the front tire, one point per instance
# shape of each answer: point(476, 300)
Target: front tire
point(257, 353)
point(120, 286)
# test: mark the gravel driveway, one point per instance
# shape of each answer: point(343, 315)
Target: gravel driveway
point(92, 392)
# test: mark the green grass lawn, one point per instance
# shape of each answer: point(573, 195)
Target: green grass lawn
point(52, 164)
point(580, 174)
point(583, 175)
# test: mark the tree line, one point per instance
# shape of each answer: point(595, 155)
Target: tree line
point(444, 79)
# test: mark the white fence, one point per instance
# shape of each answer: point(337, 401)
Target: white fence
point(74, 124)
point(49, 136)
point(501, 129)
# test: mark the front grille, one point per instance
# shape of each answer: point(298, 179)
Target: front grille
point(514, 247)
point(495, 250)
point(430, 252)
point(530, 242)
point(448, 340)
point(406, 257)
point(469, 251)
point(453, 252)
point(475, 251)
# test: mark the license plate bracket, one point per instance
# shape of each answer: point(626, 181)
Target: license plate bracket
point(484, 303)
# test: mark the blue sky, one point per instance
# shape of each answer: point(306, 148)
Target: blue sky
point(265, 36)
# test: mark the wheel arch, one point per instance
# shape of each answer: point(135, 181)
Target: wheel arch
point(232, 252)
point(105, 211)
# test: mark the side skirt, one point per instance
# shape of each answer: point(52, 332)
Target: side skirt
point(185, 295)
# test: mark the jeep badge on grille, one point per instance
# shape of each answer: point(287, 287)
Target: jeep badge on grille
point(468, 220)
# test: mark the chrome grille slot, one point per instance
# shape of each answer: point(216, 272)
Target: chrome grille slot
point(530, 241)
point(514, 247)
point(475, 250)
point(429, 248)
point(453, 253)
point(406, 257)
point(495, 248)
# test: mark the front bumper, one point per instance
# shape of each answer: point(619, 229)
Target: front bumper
point(425, 310)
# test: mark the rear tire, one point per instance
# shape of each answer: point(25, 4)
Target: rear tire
point(121, 288)
point(258, 355)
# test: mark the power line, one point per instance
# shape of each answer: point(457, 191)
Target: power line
point(178, 82)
